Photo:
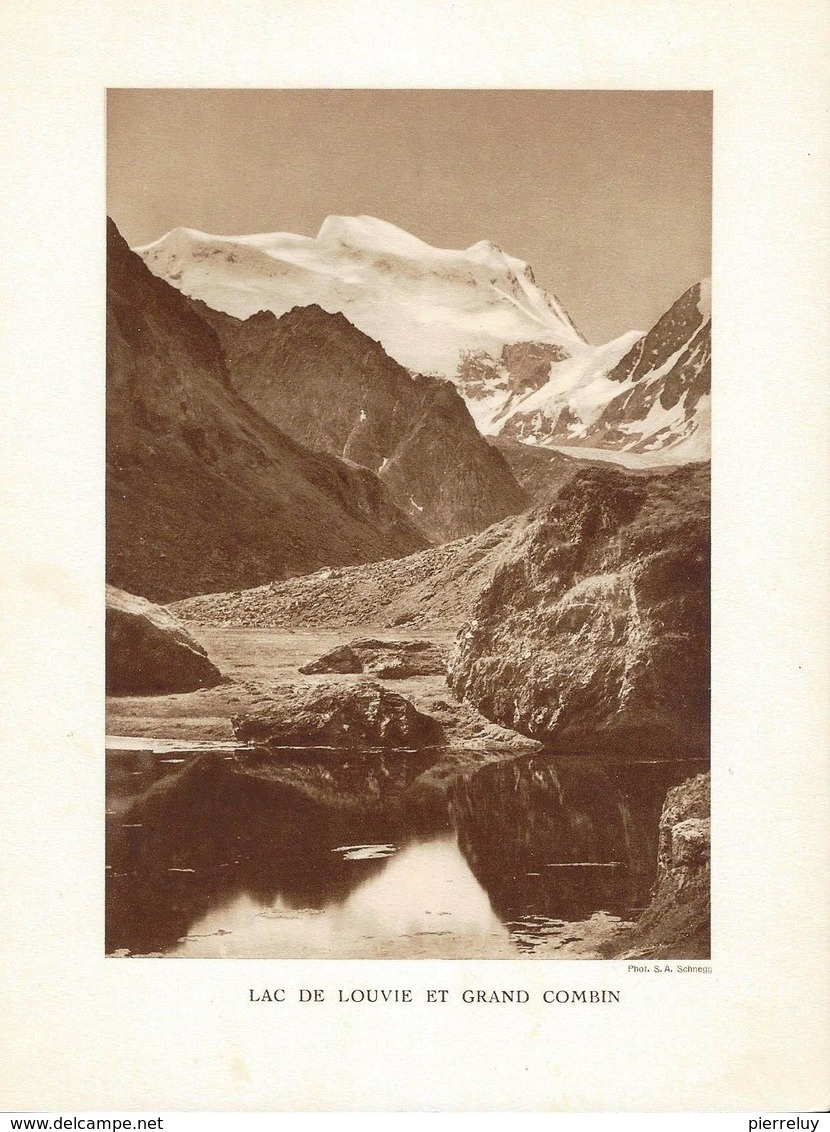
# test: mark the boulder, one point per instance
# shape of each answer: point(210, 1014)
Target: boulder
point(594, 631)
point(684, 831)
point(149, 651)
point(690, 841)
point(356, 715)
point(341, 659)
point(676, 922)
point(385, 660)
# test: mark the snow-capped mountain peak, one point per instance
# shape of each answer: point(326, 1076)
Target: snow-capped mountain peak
point(426, 305)
point(475, 316)
point(368, 233)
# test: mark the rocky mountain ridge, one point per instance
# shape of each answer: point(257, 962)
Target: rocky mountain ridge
point(476, 317)
point(335, 390)
point(654, 402)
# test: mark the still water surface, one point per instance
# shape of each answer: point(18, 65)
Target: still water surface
point(300, 854)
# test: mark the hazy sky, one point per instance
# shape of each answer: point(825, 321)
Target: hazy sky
point(607, 194)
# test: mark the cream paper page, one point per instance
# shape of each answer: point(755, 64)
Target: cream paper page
point(81, 1031)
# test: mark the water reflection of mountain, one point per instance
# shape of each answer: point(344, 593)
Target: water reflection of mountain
point(547, 838)
point(253, 824)
point(561, 838)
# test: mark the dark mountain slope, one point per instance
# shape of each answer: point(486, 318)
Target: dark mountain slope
point(330, 386)
point(202, 493)
point(541, 472)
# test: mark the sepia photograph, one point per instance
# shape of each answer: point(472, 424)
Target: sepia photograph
point(391, 550)
point(408, 524)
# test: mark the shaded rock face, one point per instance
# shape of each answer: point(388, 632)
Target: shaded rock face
point(676, 922)
point(341, 659)
point(684, 833)
point(203, 494)
point(386, 660)
point(331, 387)
point(520, 368)
point(336, 715)
point(594, 632)
point(149, 652)
point(541, 472)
